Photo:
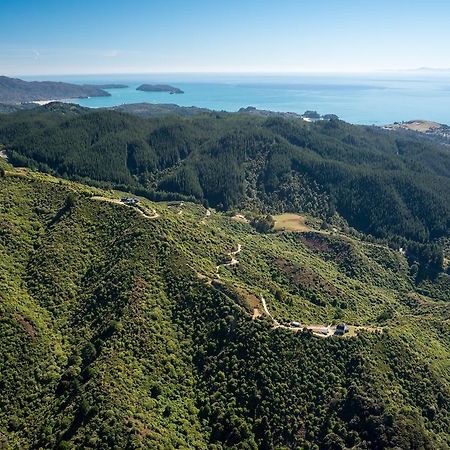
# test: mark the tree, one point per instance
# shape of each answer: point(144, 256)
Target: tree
point(263, 224)
point(71, 200)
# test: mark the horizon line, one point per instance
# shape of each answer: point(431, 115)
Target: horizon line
point(242, 72)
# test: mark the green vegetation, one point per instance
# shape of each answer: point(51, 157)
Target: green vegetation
point(392, 187)
point(13, 90)
point(263, 224)
point(159, 88)
point(112, 335)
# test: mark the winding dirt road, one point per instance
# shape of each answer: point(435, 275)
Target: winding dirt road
point(142, 210)
point(233, 261)
point(266, 310)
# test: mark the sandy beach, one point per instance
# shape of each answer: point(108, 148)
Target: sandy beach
point(43, 102)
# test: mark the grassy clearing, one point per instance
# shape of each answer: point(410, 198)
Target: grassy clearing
point(291, 222)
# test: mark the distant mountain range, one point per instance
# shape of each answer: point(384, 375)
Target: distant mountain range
point(159, 109)
point(433, 69)
point(14, 90)
point(137, 109)
point(163, 109)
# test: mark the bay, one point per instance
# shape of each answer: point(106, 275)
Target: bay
point(379, 98)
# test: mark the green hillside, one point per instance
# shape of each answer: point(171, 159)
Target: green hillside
point(16, 91)
point(391, 186)
point(118, 330)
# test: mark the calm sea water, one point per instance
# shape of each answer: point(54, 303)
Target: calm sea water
point(367, 99)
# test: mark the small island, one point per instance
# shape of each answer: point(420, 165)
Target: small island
point(159, 88)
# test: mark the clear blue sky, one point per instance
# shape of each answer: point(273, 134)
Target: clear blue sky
point(111, 36)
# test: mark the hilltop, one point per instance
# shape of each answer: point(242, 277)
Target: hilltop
point(14, 90)
point(437, 131)
point(158, 109)
point(123, 328)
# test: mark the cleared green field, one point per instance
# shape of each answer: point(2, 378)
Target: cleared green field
point(290, 222)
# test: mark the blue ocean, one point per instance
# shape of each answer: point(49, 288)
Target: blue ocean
point(379, 98)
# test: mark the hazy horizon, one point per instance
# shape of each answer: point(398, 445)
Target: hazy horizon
point(225, 74)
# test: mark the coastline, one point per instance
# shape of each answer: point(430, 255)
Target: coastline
point(346, 96)
point(45, 102)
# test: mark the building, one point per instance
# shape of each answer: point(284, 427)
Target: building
point(129, 201)
point(341, 329)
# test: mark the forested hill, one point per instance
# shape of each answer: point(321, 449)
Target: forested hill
point(117, 333)
point(14, 90)
point(159, 88)
point(382, 183)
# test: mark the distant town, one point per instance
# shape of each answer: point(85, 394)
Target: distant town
point(437, 131)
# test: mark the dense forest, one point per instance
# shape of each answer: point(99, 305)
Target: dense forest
point(386, 184)
point(113, 335)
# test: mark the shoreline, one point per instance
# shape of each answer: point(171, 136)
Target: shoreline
point(44, 102)
point(423, 126)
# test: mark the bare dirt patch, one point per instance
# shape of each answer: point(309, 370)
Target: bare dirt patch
point(26, 325)
point(240, 218)
point(304, 276)
point(251, 300)
point(316, 242)
point(256, 313)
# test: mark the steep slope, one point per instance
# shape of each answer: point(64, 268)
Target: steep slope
point(117, 333)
